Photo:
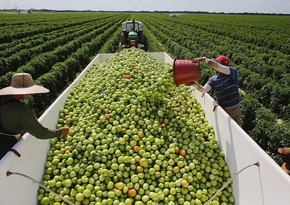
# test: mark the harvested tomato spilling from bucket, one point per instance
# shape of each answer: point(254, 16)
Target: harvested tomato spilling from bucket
point(185, 71)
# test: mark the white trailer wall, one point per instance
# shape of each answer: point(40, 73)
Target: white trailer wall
point(267, 184)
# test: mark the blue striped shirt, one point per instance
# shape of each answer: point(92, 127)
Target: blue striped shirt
point(226, 88)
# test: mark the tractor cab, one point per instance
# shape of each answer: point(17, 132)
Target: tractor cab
point(129, 25)
point(132, 34)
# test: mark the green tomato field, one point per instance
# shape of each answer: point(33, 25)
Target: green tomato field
point(136, 138)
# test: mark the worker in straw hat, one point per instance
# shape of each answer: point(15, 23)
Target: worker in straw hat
point(16, 118)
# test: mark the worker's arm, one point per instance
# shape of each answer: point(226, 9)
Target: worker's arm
point(30, 124)
point(213, 64)
point(200, 88)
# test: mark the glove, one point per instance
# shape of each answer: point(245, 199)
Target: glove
point(64, 131)
point(197, 60)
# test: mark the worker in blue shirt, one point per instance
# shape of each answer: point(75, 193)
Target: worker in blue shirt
point(224, 83)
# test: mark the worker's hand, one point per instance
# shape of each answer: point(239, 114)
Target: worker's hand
point(195, 84)
point(64, 131)
point(197, 60)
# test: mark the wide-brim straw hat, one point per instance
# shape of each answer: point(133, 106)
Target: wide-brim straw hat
point(21, 84)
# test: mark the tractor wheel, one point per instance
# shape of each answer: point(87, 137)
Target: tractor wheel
point(142, 38)
point(123, 39)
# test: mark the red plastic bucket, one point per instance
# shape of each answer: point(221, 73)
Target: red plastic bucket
point(185, 71)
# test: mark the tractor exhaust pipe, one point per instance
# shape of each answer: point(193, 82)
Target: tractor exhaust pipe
point(134, 29)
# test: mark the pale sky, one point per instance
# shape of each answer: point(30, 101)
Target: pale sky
point(235, 6)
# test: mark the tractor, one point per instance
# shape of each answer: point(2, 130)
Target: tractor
point(132, 35)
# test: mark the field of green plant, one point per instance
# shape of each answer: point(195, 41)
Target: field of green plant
point(55, 47)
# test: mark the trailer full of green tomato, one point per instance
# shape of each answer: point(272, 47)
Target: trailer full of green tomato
point(135, 138)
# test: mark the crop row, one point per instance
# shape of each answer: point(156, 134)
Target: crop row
point(20, 58)
point(57, 42)
point(31, 25)
point(35, 40)
point(270, 32)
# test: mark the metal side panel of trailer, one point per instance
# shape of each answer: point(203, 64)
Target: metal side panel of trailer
point(267, 184)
